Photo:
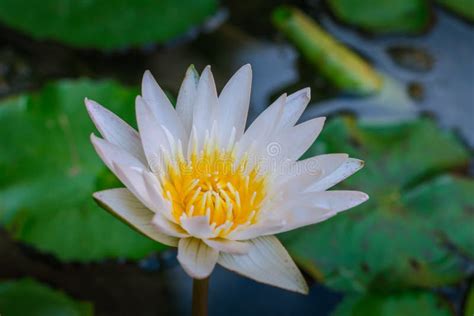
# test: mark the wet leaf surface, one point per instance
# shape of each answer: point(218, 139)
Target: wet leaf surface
point(464, 8)
point(49, 171)
point(403, 236)
point(407, 303)
point(389, 16)
point(99, 24)
point(28, 297)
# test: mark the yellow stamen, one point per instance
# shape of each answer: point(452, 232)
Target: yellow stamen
point(211, 183)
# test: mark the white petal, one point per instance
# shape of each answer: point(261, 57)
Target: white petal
point(266, 226)
point(350, 167)
point(167, 227)
point(110, 154)
point(161, 107)
point(186, 97)
point(115, 130)
point(303, 215)
point(198, 226)
point(268, 262)
point(338, 201)
point(226, 245)
point(196, 258)
point(257, 136)
point(295, 141)
point(294, 107)
point(154, 139)
point(234, 103)
point(206, 103)
point(153, 189)
point(304, 173)
point(133, 179)
point(124, 205)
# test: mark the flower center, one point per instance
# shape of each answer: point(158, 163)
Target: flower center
point(211, 184)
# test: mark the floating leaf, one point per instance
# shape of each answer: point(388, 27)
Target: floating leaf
point(49, 171)
point(464, 8)
point(27, 297)
point(416, 228)
point(343, 67)
point(407, 16)
point(407, 303)
point(102, 24)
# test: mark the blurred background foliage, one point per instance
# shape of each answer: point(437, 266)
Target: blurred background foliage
point(399, 94)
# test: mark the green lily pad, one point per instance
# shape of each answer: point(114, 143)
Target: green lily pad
point(406, 303)
point(416, 228)
point(388, 16)
point(27, 297)
point(464, 8)
point(105, 25)
point(49, 171)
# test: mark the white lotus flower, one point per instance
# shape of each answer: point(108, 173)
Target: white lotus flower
point(195, 180)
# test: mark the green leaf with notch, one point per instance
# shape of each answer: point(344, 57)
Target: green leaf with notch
point(50, 170)
point(415, 230)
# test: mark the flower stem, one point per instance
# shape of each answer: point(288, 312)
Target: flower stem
point(200, 288)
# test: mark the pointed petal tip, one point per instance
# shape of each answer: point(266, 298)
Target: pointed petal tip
point(282, 98)
point(99, 196)
point(192, 71)
point(148, 79)
point(301, 287)
point(360, 196)
point(96, 142)
point(304, 290)
point(206, 75)
point(247, 68)
point(358, 163)
point(307, 91)
point(96, 195)
point(91, 105)
point(364, 196)
point(139, 102)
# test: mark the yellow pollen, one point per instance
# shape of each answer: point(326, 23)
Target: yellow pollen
point(211, 184)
